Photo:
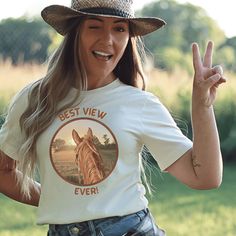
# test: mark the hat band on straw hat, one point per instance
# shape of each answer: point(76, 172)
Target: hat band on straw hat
point(123, 6)
point(63, 18)
point(106, 11)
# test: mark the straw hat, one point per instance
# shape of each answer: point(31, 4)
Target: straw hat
point(63, 18)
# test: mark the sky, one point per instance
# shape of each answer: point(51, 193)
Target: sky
point(223, 11)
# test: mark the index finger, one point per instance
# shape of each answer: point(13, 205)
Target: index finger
point(197, 62)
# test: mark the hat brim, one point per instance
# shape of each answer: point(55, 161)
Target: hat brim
point(63, 19)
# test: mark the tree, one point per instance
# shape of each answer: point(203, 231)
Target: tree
point(96, 141)
point(24, 40)
point(106, 139)
point(55, 41)
point(58, 144)
point(227, 50)
point(227, 55)
point(186, 24)
point(2, 120)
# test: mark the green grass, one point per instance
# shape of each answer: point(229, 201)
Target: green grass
point(17, 219)
point(179, 210)
point(185, 212)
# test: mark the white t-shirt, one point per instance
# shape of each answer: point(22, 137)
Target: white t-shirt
point(89, 156)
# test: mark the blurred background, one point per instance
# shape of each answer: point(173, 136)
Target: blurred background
point(25, 44)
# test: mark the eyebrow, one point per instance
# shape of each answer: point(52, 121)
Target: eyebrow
point(99, 19)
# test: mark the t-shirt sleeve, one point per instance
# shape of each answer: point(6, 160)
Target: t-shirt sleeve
point(161, 135)
point(11, 135)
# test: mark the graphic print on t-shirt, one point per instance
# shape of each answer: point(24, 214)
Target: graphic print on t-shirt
point(84, 152)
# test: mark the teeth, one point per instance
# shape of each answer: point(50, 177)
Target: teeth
point(102, 54)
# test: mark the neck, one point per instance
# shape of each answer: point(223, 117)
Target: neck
point(99, 81)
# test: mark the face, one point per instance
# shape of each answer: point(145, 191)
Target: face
point(103, 41)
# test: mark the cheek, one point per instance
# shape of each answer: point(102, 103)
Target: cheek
point(81, 44)
point(122, 44)
point(85, 41)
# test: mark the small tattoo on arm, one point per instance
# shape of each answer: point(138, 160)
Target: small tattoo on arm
point(195, 162)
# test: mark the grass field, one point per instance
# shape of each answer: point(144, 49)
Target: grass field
point(179, 210)
point(185, 212)
point(176, 208)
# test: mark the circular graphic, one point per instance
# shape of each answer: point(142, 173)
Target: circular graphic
point(84, 152)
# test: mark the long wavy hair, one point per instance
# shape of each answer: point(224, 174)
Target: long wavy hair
point(66, 70)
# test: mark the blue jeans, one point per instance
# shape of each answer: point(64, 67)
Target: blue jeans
point(140, 223)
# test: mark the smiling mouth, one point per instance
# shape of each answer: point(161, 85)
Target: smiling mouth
point(102, 55)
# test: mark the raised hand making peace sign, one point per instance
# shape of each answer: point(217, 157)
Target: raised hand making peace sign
point(201, 167)
point(206, 77)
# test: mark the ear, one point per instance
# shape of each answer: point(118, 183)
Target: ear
point(90, 133)
point(76, 137)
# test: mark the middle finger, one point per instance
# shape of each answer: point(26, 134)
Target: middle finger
point(207, 61)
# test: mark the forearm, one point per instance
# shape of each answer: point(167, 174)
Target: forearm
point(206, 154)
point(10, 187)
point(201, 167)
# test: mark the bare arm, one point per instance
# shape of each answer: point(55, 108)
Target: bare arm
point(8, 182)
point(201, 167)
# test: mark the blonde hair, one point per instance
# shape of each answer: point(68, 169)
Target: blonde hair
point(65, 70)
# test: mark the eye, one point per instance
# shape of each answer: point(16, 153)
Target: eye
point(120, 29)
point(93, 27)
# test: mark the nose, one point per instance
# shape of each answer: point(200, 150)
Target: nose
point(107, 37)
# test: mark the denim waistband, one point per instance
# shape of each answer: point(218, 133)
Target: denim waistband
point(140, 223)
point(141, 213)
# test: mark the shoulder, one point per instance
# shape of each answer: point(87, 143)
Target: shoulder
point(153, 108)
point(21, 99)
point(134, 92)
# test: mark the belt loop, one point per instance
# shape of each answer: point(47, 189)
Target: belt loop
point(52, 227)
point(146, 210)
point(92, 227)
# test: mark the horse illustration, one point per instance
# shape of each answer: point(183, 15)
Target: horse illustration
point(88, 159)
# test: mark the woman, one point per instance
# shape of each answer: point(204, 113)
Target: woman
point(84, 124)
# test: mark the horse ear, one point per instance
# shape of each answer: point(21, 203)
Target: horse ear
point(90, 133)
point(76, 137)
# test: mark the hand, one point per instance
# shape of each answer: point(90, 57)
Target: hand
point(206, 78)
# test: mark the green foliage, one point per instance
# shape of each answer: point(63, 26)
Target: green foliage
point(186, 24)
point(2, 119)
point(18, 219)
point(55, 41)
point(2, 105)
point(171, 58)
point(23, 40)
point(26, 40)
point(2, 111)
point(182, 107)
point(231, 42)
point(226, 57)
point(225, 109)
point(226, 120)
point(229, 59)
point(175, 208)
point(185, 212)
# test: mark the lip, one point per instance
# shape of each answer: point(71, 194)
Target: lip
point(101, 55)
